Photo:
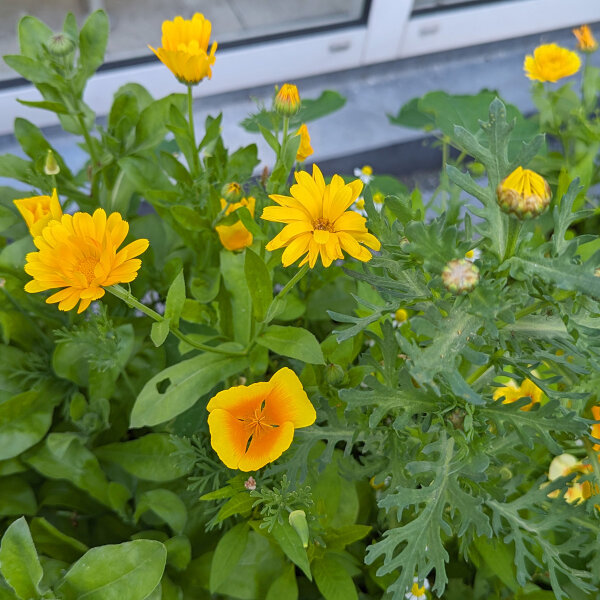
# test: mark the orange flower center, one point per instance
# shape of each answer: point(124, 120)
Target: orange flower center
point(87, 266)
point(256, 423)
point(322, 224)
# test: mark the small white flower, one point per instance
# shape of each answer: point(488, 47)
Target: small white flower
point(473, 255)
point(417, 591)
point(400, 317)
point(365, 174)
point(359, 207)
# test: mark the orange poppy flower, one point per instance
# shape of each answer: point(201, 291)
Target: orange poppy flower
point(253, 425)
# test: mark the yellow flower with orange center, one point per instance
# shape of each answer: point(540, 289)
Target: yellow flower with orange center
point(236, 236)
point(318, 222)
point(551, 63)
point(79, 254)
point(253, 425)
point(596, 426)
point(586, 41)
point(287, 100)
point(524, 193)
point(305, 149)
point(184, 48)
point(511, 393)
point(38, 211)
point(562, 466)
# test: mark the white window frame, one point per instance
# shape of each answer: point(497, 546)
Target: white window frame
point(389, 34)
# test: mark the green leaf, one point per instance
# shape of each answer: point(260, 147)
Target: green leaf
point(228, 552)
point(338, 539)
point(151, 129)
point(259, 283)
point(93, 38)
point(151, 457)
point(130, 570)
point(159, 332)
point(33, 34)
point(175, 299)
point(181, 386)
point(290, 543)
point(189, 218)
point(63, 456)
point(16, 497)
point(241, 503)
point(500, 559)
point(294, 342)
point(234, 278)
point(285, 587)
point(30, 68)
point(54, 543)
point(57, 107)
point(179, 552)
point(24, 420)
point(333, 580)
point(19, 562)
point(165, 504)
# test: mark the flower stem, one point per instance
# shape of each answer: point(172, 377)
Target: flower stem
point(129, 299)
point(276, 303)
point(196, 161)
point(514, 230)
point(90, 146)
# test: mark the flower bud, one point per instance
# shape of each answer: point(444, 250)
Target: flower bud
point(334, 375)
point(460, 276)
point(287, 100)
point(586, 42)
point(297, 520)
point(232, 192)
point(457, 418)
point(524, 193)
point(51, 166)
point(60, 44)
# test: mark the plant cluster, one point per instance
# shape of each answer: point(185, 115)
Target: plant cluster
point(382, 398)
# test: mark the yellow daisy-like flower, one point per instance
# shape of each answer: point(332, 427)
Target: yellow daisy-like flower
point(318, 222)
point(586, 41)
point(511, 393)
point(524, 193)
point(305, 149)
point(79, 254)
point(564, 465)
point(596, 426)
point(551, 62)
point(38, 211)
point(253, 425)
point(185, 48)
point(236, 236)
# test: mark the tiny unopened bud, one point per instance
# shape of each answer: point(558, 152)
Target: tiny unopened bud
point(250, 483)
point(460, 276)
point(287, 100)
point(457, 418)
point(505, 473)
point(297, 520)
point(586, 42)
point(51, 166)
point(334, 374)
point(60, 44)
point(524, 194)
point(232, 192)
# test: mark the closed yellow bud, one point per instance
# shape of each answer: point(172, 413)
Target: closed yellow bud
point(524, 194)
point(51, 166)
point(460, 276)
point(287, 100)
point(297, 520)
point(586, 42)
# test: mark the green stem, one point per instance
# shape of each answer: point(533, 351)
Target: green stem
point(514, 230)
point(95, 162)
point(196, 161)
point(272, 310)
point(133, 302)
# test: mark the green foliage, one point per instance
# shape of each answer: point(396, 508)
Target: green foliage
point(418, 464)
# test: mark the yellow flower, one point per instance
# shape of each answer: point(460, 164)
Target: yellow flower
point(236, 236)
point(524, 193)
point(378, 198)
point(318, 222)
point(38, 211)
point(79, 254)
point(287, 100)
point(305, 149)
point(400, 317)
point(551, 63)
point(596, 426)
point(512, 393)
point(253, 425)
point(586, 41)
point(564, 465)
point(185, 48)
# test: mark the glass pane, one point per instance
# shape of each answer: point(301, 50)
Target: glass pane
point(421, 6)
point(137, 23)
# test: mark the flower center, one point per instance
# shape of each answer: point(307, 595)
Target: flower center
point(322, 224)
point(416, 590)
point(256, 423)
point(87, 266)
